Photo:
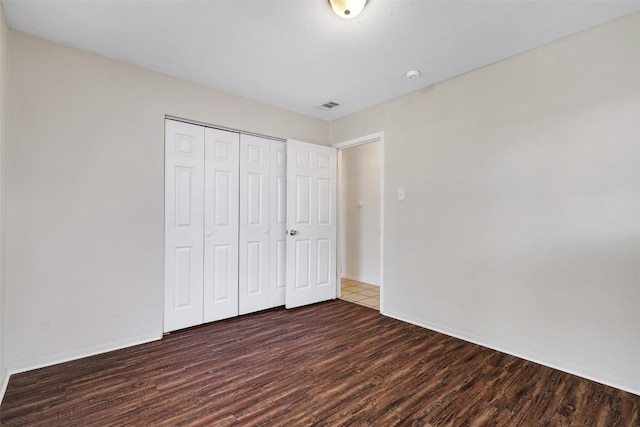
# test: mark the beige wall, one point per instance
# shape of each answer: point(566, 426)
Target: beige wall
point(521, 224)
point(520, 229)
point(4, 33)
point(85, 195)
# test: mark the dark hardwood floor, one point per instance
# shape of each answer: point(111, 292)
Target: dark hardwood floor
point(331, 364)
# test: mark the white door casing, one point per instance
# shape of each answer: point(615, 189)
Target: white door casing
point(311, 223)
point(221, 224)
point(374, 137)
point(184, 190)
point(254, 224)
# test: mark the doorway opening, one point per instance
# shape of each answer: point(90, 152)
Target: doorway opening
point(360, 220)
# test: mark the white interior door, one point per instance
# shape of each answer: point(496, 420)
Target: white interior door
point(221, 224)
point(311, 223)
point(254, 224)
point(278, 223)
point(184, 189)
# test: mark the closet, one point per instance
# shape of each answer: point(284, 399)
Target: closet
point(225, 224)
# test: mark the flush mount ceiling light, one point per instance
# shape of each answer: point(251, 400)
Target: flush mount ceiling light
point(347, 8)
point(413, 74)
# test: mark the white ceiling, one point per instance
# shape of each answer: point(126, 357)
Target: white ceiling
point(297, 54)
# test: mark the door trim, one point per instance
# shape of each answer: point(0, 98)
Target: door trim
point(373, 137)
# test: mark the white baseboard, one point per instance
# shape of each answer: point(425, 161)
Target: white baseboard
point(3, 385)
point(568, 367)
point(88, 352)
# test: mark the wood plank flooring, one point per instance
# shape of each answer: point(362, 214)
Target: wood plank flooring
point(330, 364)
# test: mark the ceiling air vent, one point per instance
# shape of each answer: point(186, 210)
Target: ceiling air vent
point(329, 105)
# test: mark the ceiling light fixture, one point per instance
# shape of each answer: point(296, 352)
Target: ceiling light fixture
point(412, 74)
point(347, 8)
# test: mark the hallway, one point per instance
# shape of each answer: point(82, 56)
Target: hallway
point(360, 293)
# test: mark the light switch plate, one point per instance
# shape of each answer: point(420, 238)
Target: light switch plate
point(400, 193)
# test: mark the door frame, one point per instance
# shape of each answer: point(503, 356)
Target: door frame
point(373, 137)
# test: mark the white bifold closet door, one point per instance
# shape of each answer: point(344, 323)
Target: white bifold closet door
point(201, 224)
point(262, 223)
point(184, 225)
point(221, 158)
point(225, 220)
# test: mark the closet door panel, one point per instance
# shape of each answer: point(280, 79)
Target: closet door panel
point(221, 224)
point(278, 223)
point(225, 224)
point(311, 220)
point(254, 224)
point(184, 190)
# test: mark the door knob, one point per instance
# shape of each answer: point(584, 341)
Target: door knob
point(209, 234)
point(266, 231)
point(292, 232)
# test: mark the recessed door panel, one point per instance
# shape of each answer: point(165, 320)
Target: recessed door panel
point(324, 161)
point(280, 201)
point(184, 184)
point(279, 151)
point(324, 201)
point(183, 277)
point(224, 151)
point(323, 256)
point(184, 144)
point(223, 285)
point(254, 268)
point(255, 193)
point(303, 200)
point(184, 193)
point(222, 198)
point(303, 159)
point(254, 153)
point(280, 253)
point(302, 264)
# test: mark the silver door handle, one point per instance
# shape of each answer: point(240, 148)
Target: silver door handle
point(292, 232)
